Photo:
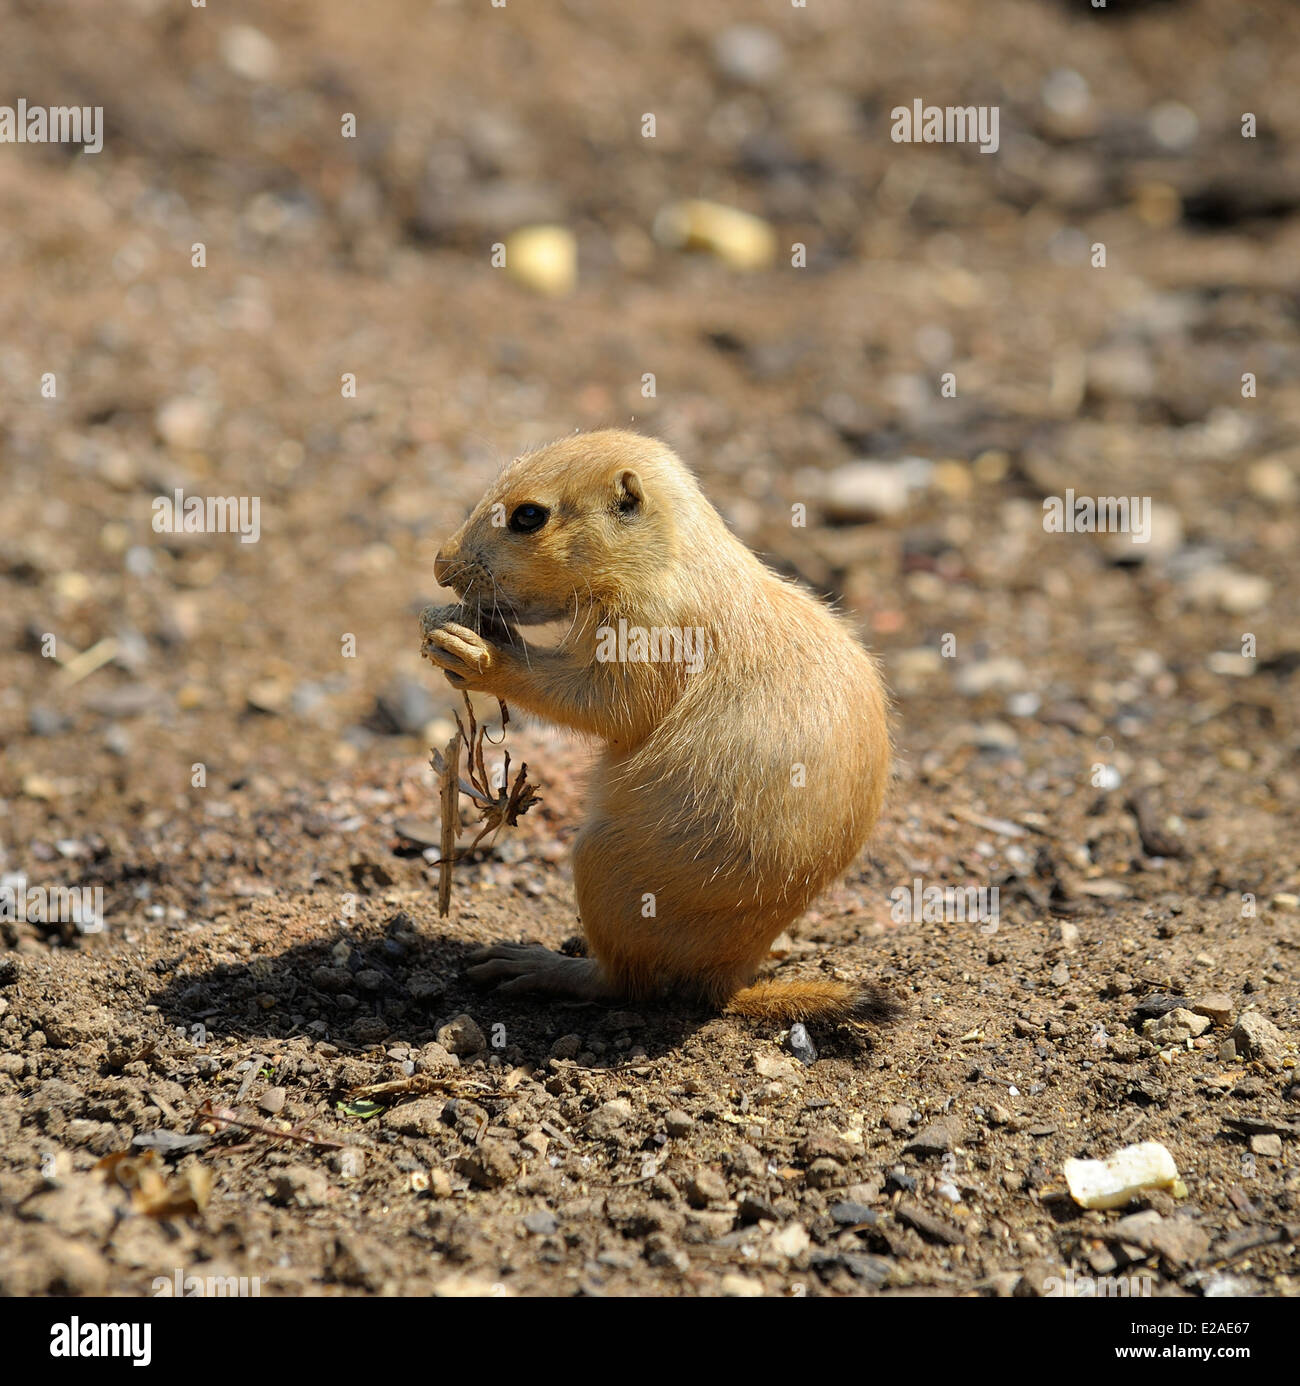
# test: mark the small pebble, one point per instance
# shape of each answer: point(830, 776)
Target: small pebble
point(852, 1214)
point(544, 259)
point(748, 54)
point(272, 1101)
point(740, 240)
point(679, 1123)
point(704, 1187)
point(462, 1036)
point(1216, 1006)
point(610, 1118)
point(1256, 1037)
point(800, 1045)
point(898, 1117)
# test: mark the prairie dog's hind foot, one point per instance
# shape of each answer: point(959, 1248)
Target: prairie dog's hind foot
point(523, 969)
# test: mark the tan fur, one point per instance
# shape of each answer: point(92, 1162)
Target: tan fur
point(695, 801)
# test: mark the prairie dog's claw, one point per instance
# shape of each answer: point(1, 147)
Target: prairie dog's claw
point(518, 969)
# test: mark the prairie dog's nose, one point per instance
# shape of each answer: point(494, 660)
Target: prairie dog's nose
point(444, 565)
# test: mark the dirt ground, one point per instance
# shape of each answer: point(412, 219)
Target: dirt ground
point(231, 739)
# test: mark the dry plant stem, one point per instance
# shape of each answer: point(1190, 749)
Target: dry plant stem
point(450, 768)
point(504, 805)
point(416, 1084)
point(206, 1112)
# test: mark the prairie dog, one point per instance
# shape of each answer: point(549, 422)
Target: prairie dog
point(741, 773)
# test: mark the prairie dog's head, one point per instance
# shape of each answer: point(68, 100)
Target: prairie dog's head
point(585, 521)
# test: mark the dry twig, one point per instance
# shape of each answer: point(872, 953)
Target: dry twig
point(223, 1116)
point(505, 804)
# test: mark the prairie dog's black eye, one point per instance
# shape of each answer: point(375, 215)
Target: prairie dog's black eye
point(529, 517)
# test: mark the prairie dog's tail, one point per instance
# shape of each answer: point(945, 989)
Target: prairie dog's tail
point(812, 999)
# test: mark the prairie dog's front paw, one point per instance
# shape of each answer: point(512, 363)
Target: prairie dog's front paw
point(467, 658)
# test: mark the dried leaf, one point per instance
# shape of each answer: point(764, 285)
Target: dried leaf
point(151, 1193)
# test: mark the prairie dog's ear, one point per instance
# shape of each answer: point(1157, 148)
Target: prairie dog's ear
point(629, 494)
